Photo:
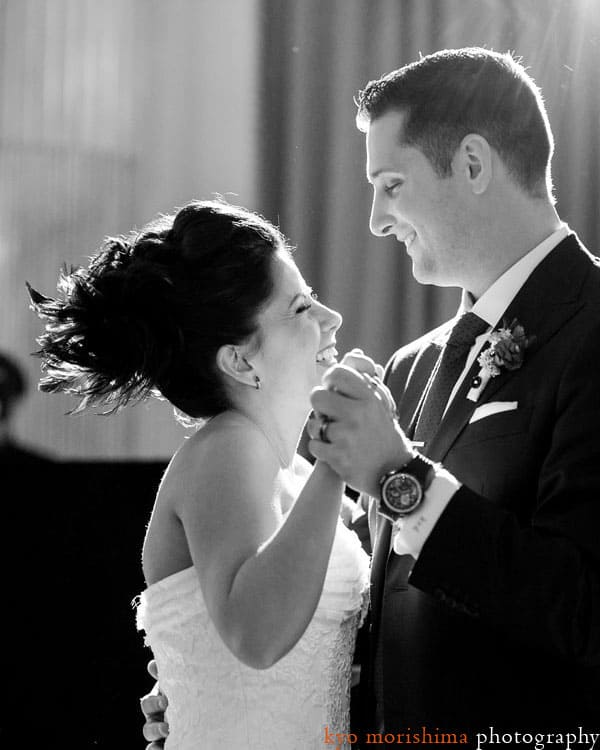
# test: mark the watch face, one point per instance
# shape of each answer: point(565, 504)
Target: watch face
point(401, 493)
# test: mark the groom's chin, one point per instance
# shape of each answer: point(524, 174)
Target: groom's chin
point(428, 273)
point(422, 273)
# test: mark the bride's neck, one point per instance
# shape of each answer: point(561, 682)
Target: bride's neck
point(281, 428)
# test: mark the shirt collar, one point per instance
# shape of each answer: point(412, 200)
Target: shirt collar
point(494, 302)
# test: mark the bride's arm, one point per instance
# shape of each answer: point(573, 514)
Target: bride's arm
point(348, 508)
point(261, 580)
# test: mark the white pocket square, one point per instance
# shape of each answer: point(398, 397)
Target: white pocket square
point(494, 407)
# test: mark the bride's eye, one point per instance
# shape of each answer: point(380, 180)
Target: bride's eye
point(303, 308)
point(308, 304)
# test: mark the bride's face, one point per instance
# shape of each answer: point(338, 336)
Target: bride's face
point(297, 335)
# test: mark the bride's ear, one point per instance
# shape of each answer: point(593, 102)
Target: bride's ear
point(232, 362)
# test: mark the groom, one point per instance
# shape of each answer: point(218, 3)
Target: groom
point(485, 509)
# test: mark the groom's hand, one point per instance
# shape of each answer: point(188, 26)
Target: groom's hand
point(363, 437)
point(153, 707)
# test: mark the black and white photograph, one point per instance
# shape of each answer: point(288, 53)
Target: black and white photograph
point(300, 374)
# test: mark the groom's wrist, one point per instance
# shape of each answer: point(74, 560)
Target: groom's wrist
point(400, 453)
point(412, 532)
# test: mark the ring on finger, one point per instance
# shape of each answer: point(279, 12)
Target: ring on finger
point(325, 422)
point(372, 381)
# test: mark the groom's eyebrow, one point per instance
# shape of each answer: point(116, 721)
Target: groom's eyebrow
point(372, 175)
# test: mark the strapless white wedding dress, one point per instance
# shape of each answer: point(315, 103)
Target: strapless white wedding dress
point(218, 703)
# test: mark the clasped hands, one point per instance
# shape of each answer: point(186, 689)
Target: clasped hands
point(353, 427)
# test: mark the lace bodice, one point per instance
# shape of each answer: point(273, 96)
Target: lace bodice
point(217, 702)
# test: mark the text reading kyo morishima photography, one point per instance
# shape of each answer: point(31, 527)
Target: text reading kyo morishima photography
point(580, 739)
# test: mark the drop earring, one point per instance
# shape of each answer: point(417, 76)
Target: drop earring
point(257, 383)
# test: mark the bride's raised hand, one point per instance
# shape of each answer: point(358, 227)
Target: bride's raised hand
point(359, 361)
point(372, 372)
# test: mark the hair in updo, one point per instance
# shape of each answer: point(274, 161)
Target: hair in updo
point(149, 314)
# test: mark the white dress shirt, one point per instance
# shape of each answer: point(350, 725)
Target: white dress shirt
point(409, 536)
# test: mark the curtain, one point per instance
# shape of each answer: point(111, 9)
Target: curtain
point(317, 55)
point(111, 112)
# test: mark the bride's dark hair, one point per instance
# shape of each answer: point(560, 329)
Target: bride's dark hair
point(152, 309)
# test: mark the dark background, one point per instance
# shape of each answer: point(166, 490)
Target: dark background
point(73, 664)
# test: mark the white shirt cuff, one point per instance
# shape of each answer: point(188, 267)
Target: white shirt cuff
point(410, 534)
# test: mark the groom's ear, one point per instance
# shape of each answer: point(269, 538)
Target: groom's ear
point(474, 157)
point(232, 362)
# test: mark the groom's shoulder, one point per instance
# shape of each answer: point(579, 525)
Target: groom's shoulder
point(592, 280)
point(573, 278)
point(575, 266)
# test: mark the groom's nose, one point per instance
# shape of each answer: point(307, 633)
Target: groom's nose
point(381, 221)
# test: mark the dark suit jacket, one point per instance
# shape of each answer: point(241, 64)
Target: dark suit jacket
point(498, 623)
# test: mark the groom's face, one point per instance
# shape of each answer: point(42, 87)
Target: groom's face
point(425, 212)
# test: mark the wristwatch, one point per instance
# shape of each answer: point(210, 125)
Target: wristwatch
point(401, 491)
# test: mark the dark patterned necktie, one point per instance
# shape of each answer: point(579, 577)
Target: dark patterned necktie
point(449, 366)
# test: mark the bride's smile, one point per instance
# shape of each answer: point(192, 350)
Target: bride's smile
point(296, 336)
point(327, 356)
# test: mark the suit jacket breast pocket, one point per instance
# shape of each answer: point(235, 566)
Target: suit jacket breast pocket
point(498, 425)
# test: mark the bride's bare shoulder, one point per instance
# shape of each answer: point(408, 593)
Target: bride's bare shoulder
point(228, 440)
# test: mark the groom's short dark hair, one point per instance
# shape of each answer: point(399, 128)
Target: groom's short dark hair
point(454, 92)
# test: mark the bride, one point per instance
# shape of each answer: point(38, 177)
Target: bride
point(254, 586)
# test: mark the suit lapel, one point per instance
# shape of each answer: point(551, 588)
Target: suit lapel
point(547, 300)
point(418, 383)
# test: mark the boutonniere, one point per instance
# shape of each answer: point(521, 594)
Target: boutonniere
point(506, 349)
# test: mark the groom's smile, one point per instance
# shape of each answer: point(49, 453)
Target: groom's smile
point(417, 206)
point(407, 240)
